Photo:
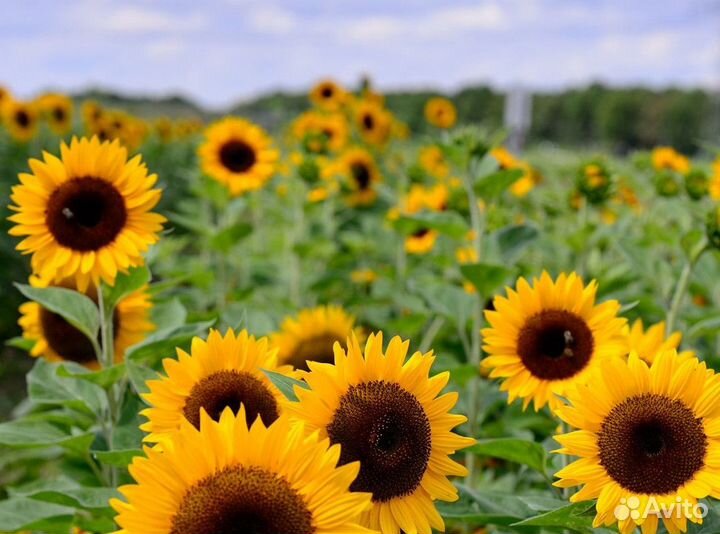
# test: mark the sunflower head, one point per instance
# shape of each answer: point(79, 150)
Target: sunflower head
point(311, 335)
point(21, 119)
point(665, 158)
point(384, 410)
point(644, 431)
point(57, 340)
point(647, 343)
point(58, 111)
point(440, 112)
point(433, 161)
point(697, 184)
point(373, 122)
point(228, 477)
point(544, 338)
point(328, 95)
point(238, 154)
point(321, 133)
point(86, 215)
point(421, 241)
point(361, 174)
point(220, 372)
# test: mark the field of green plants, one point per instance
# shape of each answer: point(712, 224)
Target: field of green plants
point(351, 326)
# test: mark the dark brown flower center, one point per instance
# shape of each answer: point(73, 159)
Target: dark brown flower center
point(555, 344)
point(59, 114)
point(387, 430)
point(86, 214)
point(243, 500)
point(422, 232)
point(651, 444)
point(314, 349)
point(327, 92)
point(67, 341)
point(368, 121)
point(237, 156)
point(22, 118)
point(230, 389)
point(361, 175)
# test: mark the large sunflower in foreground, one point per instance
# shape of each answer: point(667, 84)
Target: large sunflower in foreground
point(57, 340)
point(647, 343)
point(87, 215)
point(385, 412)
point(238, 154)
point(20, 119)
point(226, 479)
point(648, 436)
point(361, 174)
point(545, 337)
point(312, 334)
point(224, 371)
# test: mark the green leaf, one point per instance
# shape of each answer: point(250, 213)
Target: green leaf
point(513, 239)
point(578, 517)
point(104, 378)
point(20, 343)
point(485, 277)
point(67, 492)
point(47, 387)
point(74, 307)
point(514, 450)
point(24, 433)
point(446, 222)
point(139, 375)
point(125, 284)
point(285, 384)
point(226, 238)
point(28, 514)
point(493, 185)
point(118, 458)
point(170, 314)
point(162, 343)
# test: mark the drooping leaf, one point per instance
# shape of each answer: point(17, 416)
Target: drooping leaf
point(285, 384)
point(492, 186)
point(486, 278)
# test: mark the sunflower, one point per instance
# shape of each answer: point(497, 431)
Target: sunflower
point(647, 434)
point(92, 112)
point(5, 95)
point(321, 133)
point(57, 340)
point(224, 371)
point(58, 110)
point(373, 122)
point(86, 215)
point(647, 343)
point(665, 158)
point(545, 337)
point(328, 95)
point(385, 412)
point(310, 335)
point(239, 154)
point(226, 478)
point(20, 119)
point(440, 112)
point(507, 161)
point(361, 172)
point(433, 161)
point(421, 241)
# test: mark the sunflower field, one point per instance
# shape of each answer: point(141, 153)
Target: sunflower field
point(344, 326)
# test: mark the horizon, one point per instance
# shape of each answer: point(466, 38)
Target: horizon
point(236, 50)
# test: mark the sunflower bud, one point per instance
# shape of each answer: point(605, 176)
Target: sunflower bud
point(712, 227)
point(666, 185)
point(696, 184)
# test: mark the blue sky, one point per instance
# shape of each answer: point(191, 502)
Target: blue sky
point(221, 51)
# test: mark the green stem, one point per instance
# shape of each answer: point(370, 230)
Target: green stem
point(295, 270)
point(430, 333)
point(681, 287)
point(477, 222)
point(107, 359)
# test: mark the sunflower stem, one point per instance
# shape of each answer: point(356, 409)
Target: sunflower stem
point(682, 286)
point(107, 359)
point(477, 222)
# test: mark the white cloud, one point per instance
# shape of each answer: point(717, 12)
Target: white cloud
point(271, 19)
point(106, 17)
